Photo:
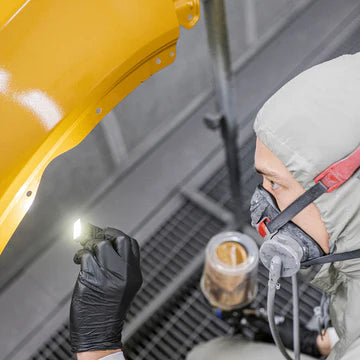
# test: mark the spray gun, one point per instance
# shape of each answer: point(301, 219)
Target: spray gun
point(286, 247)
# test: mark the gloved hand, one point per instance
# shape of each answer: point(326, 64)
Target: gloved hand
point(109, 278)
point(257, 328)
point(253, 325)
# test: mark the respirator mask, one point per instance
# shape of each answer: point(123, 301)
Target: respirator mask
point(289, 242)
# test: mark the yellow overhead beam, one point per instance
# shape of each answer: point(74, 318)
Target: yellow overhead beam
point(63, 66)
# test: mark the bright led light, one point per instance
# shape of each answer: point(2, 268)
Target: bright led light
point(77, 229)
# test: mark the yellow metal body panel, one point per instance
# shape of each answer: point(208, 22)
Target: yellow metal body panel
point(63, 66)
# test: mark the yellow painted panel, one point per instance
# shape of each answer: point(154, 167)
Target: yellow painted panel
point(63, 66)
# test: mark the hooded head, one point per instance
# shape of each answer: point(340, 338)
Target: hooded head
point(309, 124)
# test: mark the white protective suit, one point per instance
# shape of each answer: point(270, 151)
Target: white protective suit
point(309, 124)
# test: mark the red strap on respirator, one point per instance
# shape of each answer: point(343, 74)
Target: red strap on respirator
point(340, 172)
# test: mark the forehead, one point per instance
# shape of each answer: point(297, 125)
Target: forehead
point(267, 161)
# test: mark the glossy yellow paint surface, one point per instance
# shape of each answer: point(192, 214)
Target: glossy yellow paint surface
point(63, 66)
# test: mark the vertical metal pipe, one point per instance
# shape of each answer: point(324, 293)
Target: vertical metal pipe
point(217, 33)
point(250, 22)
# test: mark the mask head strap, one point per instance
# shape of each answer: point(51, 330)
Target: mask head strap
point(338, 173)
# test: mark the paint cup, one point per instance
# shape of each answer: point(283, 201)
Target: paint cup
point(229, 279)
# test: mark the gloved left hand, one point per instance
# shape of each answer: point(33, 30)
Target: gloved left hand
point(109, 278)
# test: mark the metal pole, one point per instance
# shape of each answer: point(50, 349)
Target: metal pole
point(217, 33)
point(250, 22)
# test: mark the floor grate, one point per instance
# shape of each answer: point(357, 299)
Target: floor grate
point(57, 348)
point(171, 248)
point(188, 319)
point(183, 322)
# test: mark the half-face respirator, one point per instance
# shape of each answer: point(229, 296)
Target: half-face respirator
point(290, 242)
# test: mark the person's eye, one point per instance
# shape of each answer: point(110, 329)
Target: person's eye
point(274, 185)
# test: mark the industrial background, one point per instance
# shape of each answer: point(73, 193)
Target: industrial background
point(153, 169)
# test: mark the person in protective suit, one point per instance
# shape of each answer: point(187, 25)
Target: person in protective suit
point(309, 124)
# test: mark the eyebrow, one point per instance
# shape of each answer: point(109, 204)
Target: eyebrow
point(267, 172)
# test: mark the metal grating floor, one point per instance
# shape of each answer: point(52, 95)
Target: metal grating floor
point(57, 348)
point(171, 248)
point(172, 332)
point(188, 319)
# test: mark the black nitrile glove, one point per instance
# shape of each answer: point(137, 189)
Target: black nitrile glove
point(109, 278)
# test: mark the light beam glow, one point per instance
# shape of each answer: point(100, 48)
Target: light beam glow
point(77, 229)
